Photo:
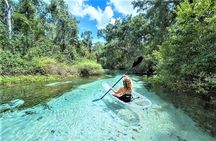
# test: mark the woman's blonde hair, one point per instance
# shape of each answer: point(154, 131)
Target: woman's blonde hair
point(127, 83)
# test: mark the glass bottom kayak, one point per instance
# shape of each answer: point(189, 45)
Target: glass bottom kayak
point(138, 101)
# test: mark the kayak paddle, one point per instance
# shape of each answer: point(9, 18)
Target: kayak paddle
point(137, 62)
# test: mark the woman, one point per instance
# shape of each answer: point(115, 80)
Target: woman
point(125, 92)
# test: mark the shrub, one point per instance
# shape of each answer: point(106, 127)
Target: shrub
point(46, 65)
point(87, 67)
point(13, 63)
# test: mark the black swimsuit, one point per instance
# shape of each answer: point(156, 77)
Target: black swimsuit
point(126, 97)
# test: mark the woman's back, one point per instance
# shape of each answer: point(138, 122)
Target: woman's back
point(125, 92)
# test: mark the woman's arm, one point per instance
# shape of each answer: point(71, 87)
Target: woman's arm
point(119, 92)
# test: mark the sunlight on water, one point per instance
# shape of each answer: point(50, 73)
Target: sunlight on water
point(73, 116)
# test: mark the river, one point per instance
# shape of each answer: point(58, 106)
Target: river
point(64, 111)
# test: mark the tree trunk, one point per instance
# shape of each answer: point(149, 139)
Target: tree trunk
point(7, 17)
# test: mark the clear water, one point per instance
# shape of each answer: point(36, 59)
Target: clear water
point(73, 116)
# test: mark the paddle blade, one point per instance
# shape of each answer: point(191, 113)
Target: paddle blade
point(138, 61)
point(96, 100)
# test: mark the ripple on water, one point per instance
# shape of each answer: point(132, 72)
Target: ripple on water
point(73, 116)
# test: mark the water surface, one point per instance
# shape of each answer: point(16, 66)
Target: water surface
point(73, 116)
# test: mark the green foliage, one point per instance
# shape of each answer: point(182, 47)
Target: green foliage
point(44, 39)
point(44, 61)
point(82, 50)
point(87, 39)
point(154, 82)
point(88, 67)
point(42, 47)
point(46, 65)
point(3, 35)
point(187, 57)
point(138, 35)
point(13, 63)
point(125, 39)
point(65, 26)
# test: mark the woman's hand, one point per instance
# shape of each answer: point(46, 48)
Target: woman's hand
point(116, 95)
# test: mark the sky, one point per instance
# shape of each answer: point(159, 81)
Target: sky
point(96, 14)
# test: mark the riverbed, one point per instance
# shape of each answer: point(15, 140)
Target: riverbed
point(71, 115)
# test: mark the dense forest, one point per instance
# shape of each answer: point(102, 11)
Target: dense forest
point(177, 39)
point(41, 38)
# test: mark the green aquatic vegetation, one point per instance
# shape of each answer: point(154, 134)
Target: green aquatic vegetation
point(39, 92)
point(11, 80)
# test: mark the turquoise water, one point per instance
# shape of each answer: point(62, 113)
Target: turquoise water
point(73, 116)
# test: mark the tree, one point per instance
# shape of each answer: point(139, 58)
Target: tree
point(25, 23)
point(139, 35)
point(39, 30)
point(125, 40)
point(7, 17)
point(159, 15)
point(87, 39)
point(187, 57)
point(65, 26)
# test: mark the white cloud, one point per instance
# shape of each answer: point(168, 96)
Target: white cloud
point(112, 21)
point(105, 18)
point(80, 8)
point(76, 7)
point(123, 6)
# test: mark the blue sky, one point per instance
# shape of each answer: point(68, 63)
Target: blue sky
point(96, 14)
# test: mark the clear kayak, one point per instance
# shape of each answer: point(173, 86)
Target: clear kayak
point(138, 101)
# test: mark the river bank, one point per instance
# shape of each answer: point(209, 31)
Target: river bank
point(48, 70)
